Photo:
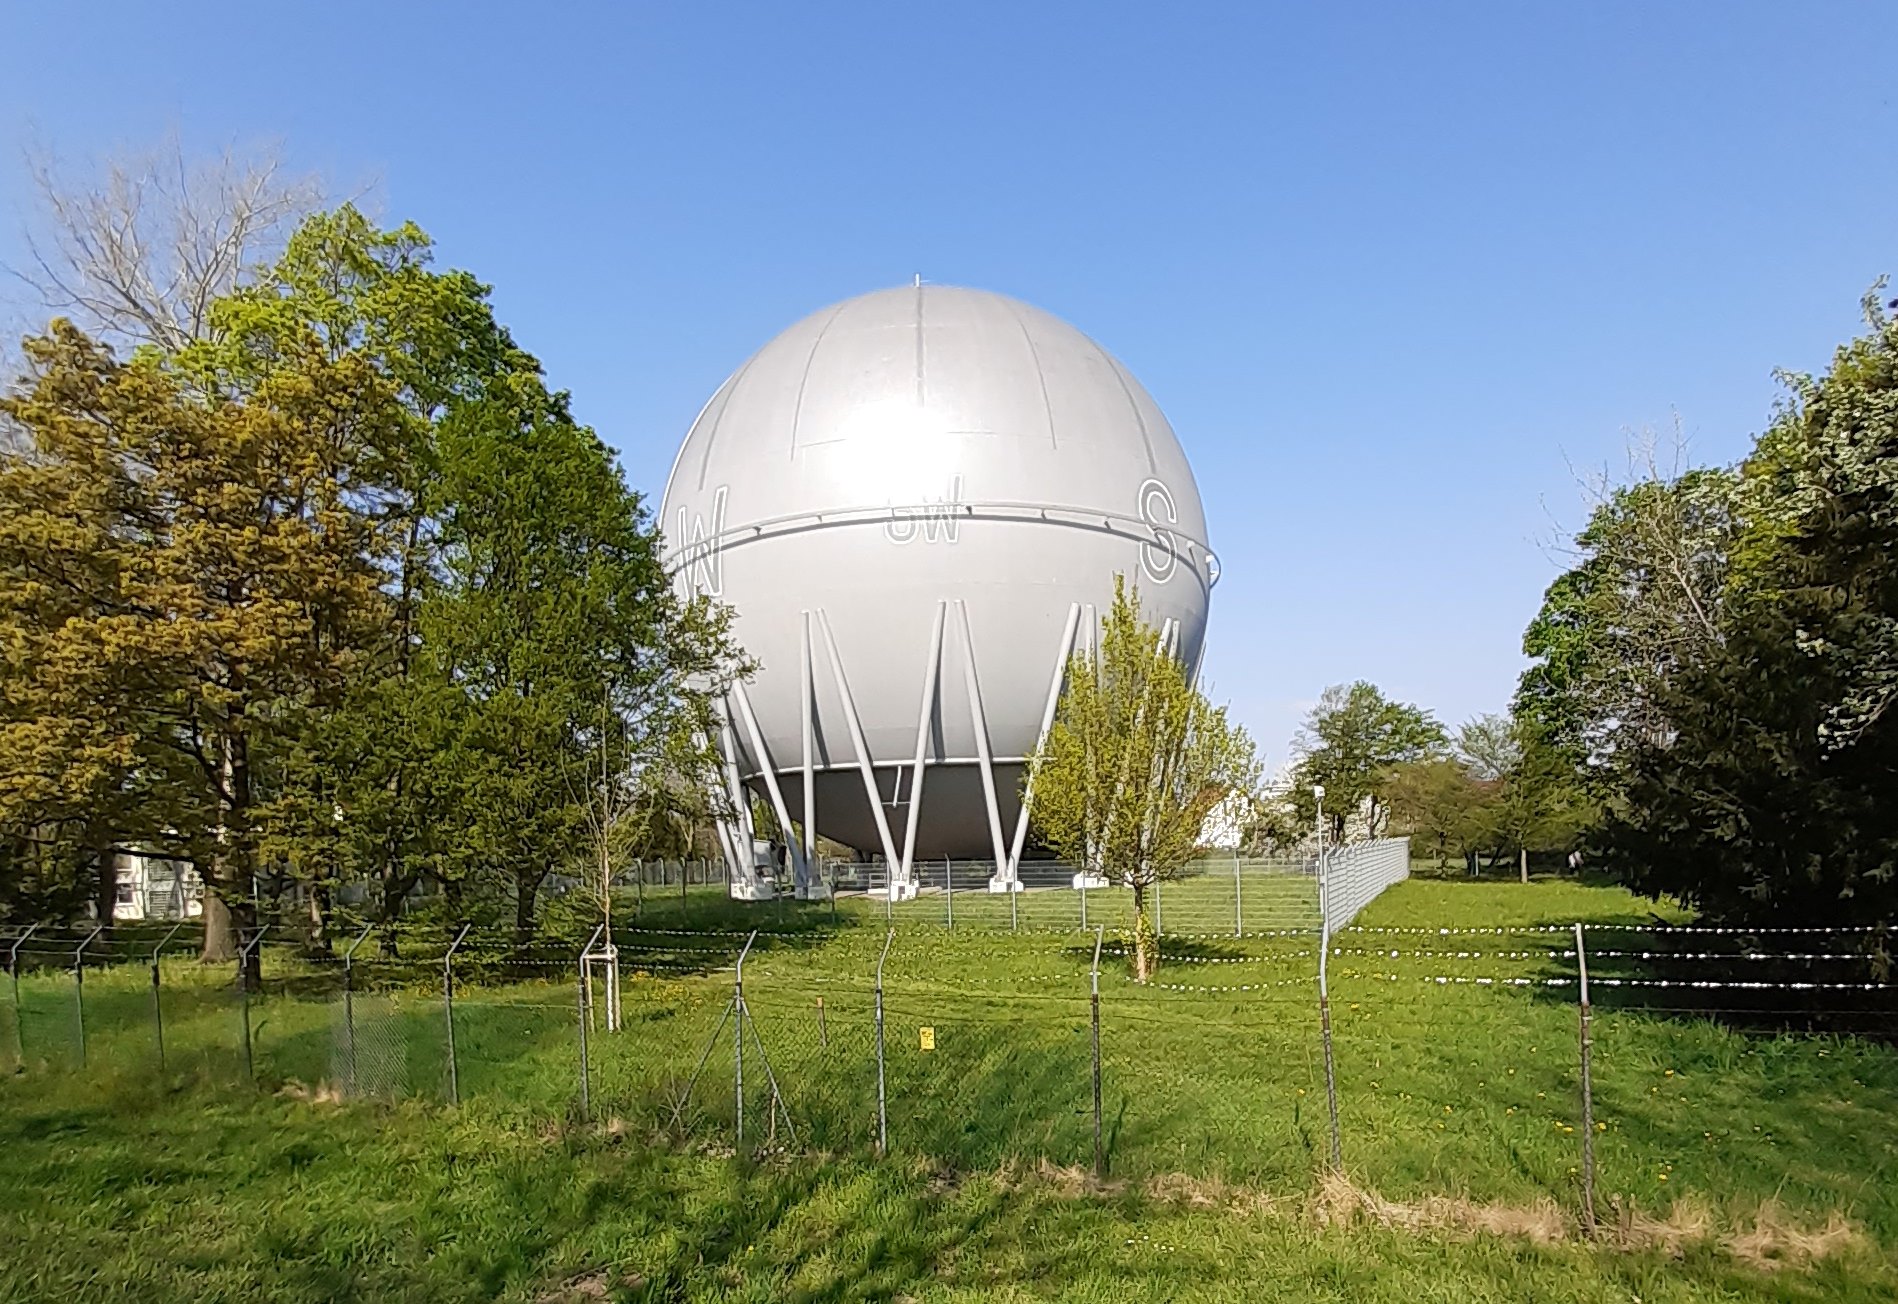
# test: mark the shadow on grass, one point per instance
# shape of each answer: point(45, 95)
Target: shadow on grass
point(1749, 981)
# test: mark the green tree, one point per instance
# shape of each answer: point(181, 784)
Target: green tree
point(1488, 746)
point(1440, 804)
point(1350, 743)
point(1539, 804)
point(339, 588)
point(532, 627)
point(1644, 599)
point(1136, 761)
point(1768, 796)
point(242, 575)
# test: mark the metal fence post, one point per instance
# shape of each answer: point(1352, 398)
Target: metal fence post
point(243, 988)
point(349, 1005)
point(1588, 1101)
point(1238, 899)
point(1100, 1155)
point(13, 971)
point(1324, 1015)
point(738, 1037)
point(448, 1012)
point(158, 1006)
point(586, 1073)
point(79, 990)
point(883, 1118)
point(1083, 900)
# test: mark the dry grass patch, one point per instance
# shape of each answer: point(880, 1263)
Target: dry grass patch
point(1342, 1203)
point(1772, 1239)
point(323, 1093)
point(1071, 1181)
point(1209, 1193)
point(598, 1284)
point(1775, 1241)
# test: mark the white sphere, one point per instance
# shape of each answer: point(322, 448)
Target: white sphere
point(901, 451)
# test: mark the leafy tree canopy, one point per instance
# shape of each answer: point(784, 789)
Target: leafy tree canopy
point(1350, 743)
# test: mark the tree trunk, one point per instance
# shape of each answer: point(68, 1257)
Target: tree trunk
point(1525, 864)
point(318, 941)
point(526, 889)
point(229, 915)
point(105, 885)
point(220, 937)
point(244, 925)
point(1143, 936)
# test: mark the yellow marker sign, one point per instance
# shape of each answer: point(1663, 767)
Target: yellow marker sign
point(928, 1037)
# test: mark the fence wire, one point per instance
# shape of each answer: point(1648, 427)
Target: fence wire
point(1456, 1049)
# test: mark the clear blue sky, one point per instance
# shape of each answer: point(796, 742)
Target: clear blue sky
point(1389, 269)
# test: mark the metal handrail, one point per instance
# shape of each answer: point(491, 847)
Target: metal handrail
point(1151, 534)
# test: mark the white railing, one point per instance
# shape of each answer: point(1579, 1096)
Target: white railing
point(1356, 872)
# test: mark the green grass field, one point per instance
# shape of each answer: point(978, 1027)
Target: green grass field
point(1732, 1165)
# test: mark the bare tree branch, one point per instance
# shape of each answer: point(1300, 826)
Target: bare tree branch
point(138, 248)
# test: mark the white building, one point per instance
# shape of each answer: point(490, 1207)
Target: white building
point(151, 887)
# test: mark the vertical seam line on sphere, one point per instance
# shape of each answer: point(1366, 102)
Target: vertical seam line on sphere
point(797, 410)
point(1126, 389)
point(711, 436)
point(919, 343)
point(678, 458)
point(1034, 357)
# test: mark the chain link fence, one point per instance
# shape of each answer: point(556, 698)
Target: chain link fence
point(1461, 1058)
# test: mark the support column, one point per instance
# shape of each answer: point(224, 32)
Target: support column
point(800, 876)
point(738, 833)
point(865, 766)
point(932, 671)
point(808, 691)
point(978, 722)
point(1066, 650)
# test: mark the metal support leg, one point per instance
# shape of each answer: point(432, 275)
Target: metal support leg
point(978, 722)
point(808, 691)
point(800, 873)
point(932, 673)
point(1064, 653)
point(865, 766)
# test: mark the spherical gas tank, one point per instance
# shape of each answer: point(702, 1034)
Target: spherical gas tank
point(916, 503)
